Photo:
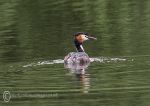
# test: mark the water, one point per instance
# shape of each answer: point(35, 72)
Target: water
point(36, 35)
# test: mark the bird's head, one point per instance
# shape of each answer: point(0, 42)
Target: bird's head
point(82, 36)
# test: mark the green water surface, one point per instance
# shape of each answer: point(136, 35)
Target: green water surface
point(35, 35)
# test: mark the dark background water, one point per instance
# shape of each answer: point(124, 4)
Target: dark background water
point(38, 33)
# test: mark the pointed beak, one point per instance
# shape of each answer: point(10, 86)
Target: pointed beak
point(90, 37)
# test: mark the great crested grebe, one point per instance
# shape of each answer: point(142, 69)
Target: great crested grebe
point(80, 56)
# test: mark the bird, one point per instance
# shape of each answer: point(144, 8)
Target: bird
point(79, 57)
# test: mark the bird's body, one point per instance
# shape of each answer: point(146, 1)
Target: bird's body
point(77, 57)
point(80, 56)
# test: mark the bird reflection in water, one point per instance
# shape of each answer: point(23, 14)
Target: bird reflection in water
point(79, 70)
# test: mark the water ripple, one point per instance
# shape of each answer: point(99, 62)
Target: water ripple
point(60, 61)
point(106, 59)
point(57, 61)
